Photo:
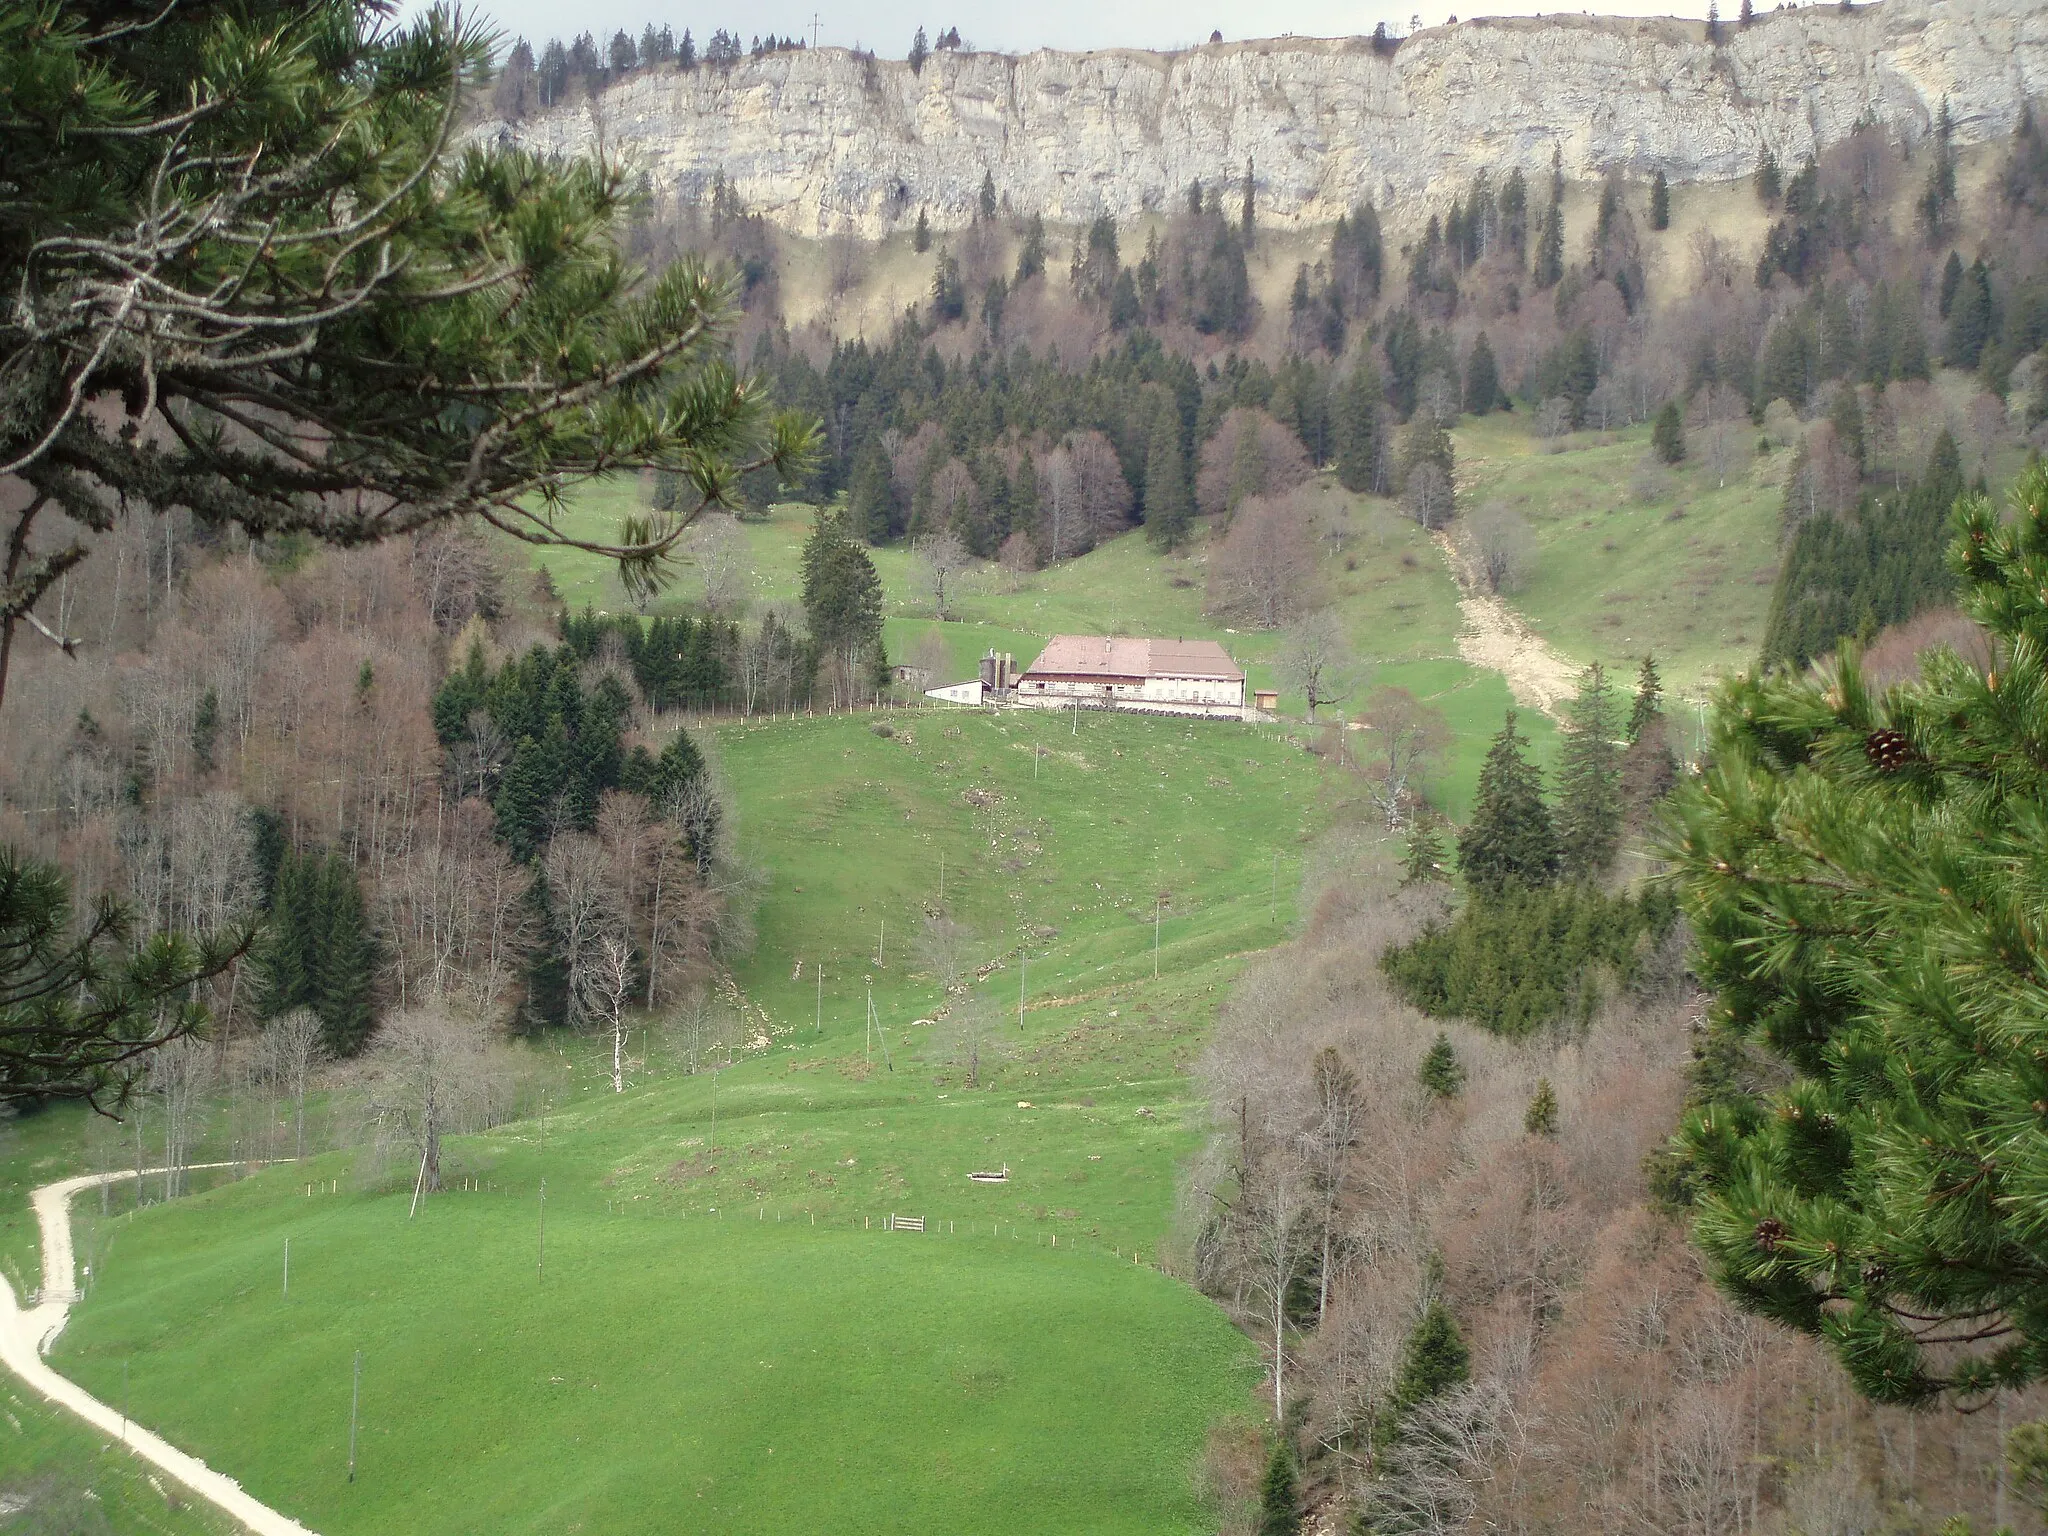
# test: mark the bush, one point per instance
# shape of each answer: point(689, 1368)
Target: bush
point(1515, 961)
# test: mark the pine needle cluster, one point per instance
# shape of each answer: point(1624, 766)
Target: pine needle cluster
point(1865, 876)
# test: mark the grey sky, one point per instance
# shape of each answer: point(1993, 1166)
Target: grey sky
point(886, 25)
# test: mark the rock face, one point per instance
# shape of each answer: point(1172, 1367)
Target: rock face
point(828, 140)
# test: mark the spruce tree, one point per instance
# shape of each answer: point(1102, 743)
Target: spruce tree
point(1031, 254)
point(1434, 1359)
point(1769, 180)
point(206, 730)
point(1425, 853)
point(1660, 202)
point(1441, 1071)
point(1667, 435)
point(921, 235)
point(871, 495)
point(985, 205)
point(1357, 427)
point(1247, 215)
point(920, 50)
point(1549, 267)
point(1482, 379)
point(1541, 1117)
point(1589, 781)
point(285, 959)
point(1279, 1502)
point(1649, 700)
point(1969, 317)
point(1510, 839)
point(346, 974)
point(1169, 507)
point(1951, 281)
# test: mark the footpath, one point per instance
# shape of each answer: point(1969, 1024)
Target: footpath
point(26, 1332)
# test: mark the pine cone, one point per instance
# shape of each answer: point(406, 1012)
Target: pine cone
point(1888, 750)
point(1769, 1233)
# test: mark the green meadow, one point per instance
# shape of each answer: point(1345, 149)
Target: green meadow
point(727, 1335)
point(711, 1324)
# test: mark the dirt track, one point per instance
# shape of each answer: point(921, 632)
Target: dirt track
point(1498, 638)
point(26, 1332)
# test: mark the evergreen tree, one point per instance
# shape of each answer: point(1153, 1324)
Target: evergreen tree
point(1769, 180)
point(1541, 1117)
point(1510, 839)
point(985, 205)
point(1862, 873)
point(81, 1004)
point(1482, 379)
point(920, 50)
point(1951, 280)
point(921, 235)
point(1247, 215)
point(1425, 853)
point(1649, 700)
point(871, 498)
point(949, 290)
point(1169, 505)
point(1846, 416)
point(1667, 434)
point(1549, 268)
point(1969, 318)
point(842, 595)
point(1441, 1071)
point(346, 974)
point(1357, 427)
point(1660, 202)
point(285, 962)
point(1031, 254)
point(206, 730)
point(1434, 1359)
point(1279, 1511)
point(1589, 781)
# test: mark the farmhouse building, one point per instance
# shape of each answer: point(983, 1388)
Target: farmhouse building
point(1192, 677)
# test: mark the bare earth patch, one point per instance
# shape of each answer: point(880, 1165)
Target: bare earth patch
point(1498, 638)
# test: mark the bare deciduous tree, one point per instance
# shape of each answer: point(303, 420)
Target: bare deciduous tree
point(1312, 652)
point(1405, 739)
point(607, 981)
point(291, 1050)
point(1426, 496)
point(974, 1036)
point(180, 1073)
point(1265, 571)
point(426, 1071)
point(1500, 547)
point(719, 550)
point(940, 557)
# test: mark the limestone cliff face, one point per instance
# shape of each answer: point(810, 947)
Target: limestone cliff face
point(826, 140)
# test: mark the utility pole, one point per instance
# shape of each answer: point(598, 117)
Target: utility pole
point(287, 1267)
point(818, 1023)
point(869, 1048)
point(1023, 962)
point(355, 1401)
point(881, 942)
point(1155, 938)
point(540, 1265)
point(814, 31)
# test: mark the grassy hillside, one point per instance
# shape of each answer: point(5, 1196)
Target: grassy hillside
point(718, 1279)
point(1384, 578)
point(1632, 555)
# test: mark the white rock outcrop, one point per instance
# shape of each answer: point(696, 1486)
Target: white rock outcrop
point(828, 139)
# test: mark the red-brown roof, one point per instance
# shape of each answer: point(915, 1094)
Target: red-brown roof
point(1101, 656)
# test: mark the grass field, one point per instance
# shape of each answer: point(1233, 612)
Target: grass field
point(718, 1281)
point(1633, 557)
